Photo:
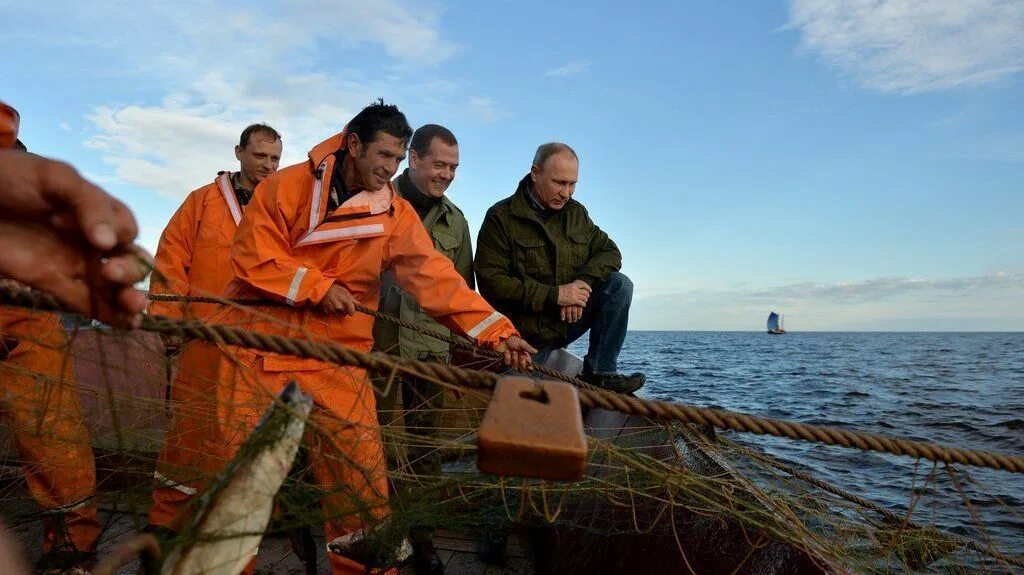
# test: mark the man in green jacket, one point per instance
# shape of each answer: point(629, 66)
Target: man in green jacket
point(433, 159)
point(543, 263)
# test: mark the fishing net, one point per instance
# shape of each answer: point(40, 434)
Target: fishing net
point(656, 495)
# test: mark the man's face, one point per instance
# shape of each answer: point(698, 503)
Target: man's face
point(376, 163)
point(434, 171)
point(259, 158)
point(555, 182)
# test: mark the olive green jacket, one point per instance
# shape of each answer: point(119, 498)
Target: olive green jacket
point(521, 259)
point(450, 231)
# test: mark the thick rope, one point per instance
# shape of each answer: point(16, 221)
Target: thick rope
point(383, 363)
point(451, 339)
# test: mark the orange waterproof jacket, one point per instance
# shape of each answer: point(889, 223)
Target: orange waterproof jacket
point(9, 121)
point(192, 256)
point(288, 247)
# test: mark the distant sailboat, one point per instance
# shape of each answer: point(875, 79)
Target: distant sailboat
point(775, 324)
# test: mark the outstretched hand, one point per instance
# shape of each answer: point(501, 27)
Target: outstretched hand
point(518, 354)
point(62, 234)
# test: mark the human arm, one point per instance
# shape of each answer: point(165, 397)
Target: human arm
point(431, 278)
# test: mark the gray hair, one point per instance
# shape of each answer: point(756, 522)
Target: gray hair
point(545, 151)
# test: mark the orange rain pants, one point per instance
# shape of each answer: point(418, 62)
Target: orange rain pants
point(39, 397)
point(290, 248)
point(192, 258)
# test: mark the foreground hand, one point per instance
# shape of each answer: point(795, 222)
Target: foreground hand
point(518, 353)
point(338, 301)
point(572, 313)
point(576, 292)
point(63, 235)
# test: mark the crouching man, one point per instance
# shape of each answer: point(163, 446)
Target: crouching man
point(544, 264)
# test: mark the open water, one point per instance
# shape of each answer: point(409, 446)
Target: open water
point(962, 389)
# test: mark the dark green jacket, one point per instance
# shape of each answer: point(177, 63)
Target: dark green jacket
point(521, 260)
point(448, 228)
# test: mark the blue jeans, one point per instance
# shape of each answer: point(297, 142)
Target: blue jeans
point(606, 316)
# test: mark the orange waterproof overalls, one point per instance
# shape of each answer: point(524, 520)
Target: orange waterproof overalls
point(290, 248)
point(39, 398)
point(192, 258)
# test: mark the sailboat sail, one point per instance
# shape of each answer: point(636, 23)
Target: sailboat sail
point(773, 321)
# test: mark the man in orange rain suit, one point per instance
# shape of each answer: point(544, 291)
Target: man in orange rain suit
point(192, 259)
point(318, 235)
point(40, 402)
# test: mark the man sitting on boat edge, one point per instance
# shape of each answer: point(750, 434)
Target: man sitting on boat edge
point(546, 265)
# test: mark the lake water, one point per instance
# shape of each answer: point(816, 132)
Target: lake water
point(961, 389)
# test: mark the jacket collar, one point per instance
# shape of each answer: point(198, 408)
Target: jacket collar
point(227, 191)
point(365, 203)
point(520, 205)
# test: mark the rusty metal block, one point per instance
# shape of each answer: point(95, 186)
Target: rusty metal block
point(533, 429)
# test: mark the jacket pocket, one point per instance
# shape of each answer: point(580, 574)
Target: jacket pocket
point(445, 243)
point(579, 250)
point(532, 256)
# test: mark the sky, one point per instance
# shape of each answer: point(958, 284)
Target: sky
point(852, 164)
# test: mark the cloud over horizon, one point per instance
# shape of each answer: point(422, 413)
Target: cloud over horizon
point(911, 46)
point(993, 300)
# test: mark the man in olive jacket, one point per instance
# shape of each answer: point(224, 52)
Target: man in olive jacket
point(543, 263)
point(433, 159)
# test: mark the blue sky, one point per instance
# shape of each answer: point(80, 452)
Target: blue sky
point(855, 165)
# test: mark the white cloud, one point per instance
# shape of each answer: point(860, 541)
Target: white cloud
point(483, 109)
point(908, 46)
point(569, 69)
point(283, 64)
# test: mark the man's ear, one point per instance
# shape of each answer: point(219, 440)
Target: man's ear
point(413, 159)
point(238, 153)
point(534, 173)
point(354, 145)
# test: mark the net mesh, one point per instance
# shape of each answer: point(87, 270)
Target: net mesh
point(86, 410)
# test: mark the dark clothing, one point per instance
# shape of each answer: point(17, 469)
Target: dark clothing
point(521, 260)
point(339, 191)
point(243, 195)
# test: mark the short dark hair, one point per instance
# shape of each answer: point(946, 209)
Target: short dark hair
point(425, 135)
point(379, 117)
point(264, 129)
point(19, 145)
point(545, 151)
